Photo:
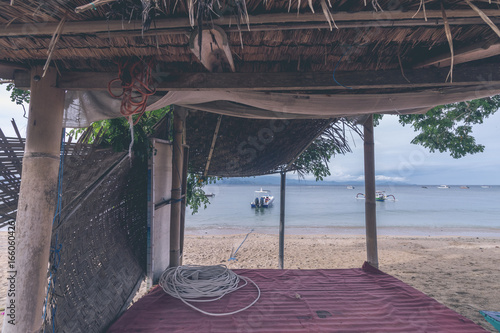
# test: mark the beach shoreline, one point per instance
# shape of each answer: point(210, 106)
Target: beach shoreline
point(352, 231)
point(457, 271)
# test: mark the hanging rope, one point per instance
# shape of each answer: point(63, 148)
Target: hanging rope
point(137, 84)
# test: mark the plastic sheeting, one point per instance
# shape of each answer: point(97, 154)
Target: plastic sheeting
point(84, 107)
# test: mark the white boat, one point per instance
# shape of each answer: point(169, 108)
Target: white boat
point(379, 196)
point(350, 187)
point(443, 186)
point(485, 186)
point(262, 199)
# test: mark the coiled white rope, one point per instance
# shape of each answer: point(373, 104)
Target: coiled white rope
point(190, 283)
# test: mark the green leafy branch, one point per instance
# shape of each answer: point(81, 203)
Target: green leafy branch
point(448, 128)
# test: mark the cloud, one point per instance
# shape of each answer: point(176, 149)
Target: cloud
point(390, 179)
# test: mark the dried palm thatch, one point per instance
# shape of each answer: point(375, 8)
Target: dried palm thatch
point(259, 47)
point(245, 147)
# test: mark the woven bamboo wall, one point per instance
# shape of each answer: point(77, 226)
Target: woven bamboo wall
point(98, 250)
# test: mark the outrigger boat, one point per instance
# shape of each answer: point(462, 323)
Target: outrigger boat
point(262, 199)
point(379, 196)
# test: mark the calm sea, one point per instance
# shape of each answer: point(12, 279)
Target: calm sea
point(334, 209)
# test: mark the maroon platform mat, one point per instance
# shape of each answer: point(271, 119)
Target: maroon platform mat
point(323, 300)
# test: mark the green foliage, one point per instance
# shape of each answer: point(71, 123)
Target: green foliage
point(18, 96)
point(377, 118)
point(315, 159)
point(116, 133)
point(449, 127)
point(195, 195)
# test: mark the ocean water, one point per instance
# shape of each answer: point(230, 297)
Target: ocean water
point(334, 209)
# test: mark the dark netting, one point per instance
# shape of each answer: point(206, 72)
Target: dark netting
point(247, 147)
point(98, 250)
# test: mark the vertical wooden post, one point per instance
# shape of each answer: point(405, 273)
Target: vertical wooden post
point(175, 215)
point(184, 193)
point(282, 220)
point(36, 206)
point(370, 204)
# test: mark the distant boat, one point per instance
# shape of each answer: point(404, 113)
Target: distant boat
point(485, 186)
point(210, 195)
point(350, 187)
point(379, 196)
point(262, 199)
point(464, 187)
point(424, 186)
point(443, 186)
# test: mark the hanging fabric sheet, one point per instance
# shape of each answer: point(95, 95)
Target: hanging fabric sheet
point(84, 107)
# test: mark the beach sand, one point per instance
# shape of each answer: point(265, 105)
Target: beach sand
point(460, 272)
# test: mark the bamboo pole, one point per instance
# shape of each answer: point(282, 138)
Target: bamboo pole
point(183, 202)
point(370, 204)
point(175, 214)
point(37, 200)
point(282, 221)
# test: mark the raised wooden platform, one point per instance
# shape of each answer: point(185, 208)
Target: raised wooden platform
point(323, 300)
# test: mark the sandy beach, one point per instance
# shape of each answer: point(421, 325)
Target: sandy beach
point(460, 272)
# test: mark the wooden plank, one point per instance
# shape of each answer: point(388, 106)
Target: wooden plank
point(7, 69)
point(306, 26)
point(471, 53)
point(104, 26)
point(465, 75)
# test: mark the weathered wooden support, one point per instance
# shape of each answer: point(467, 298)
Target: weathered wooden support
point(370, 204)
point(282, 220)
point(37, 201)
point(469, 53)
point(212, 147)
point(274, 21)
point(175, 215)
point(463, 75)
point(183, 202)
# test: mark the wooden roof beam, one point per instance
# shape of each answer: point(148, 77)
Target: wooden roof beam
point(297, 81)
point(7, 69)
point(277, 21)
point(467, 54)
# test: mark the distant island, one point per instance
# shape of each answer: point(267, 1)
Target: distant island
point(293, 180)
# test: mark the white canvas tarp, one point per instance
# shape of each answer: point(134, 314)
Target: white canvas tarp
point(84, 107)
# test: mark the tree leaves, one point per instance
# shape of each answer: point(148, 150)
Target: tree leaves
point(448, 128)
point(19, 96)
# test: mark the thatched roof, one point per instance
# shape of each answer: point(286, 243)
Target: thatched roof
point(295, 41)
point(401, 56)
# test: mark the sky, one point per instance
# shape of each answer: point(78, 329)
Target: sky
point(395, 158)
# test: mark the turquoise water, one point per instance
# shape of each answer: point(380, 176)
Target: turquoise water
point(335, 209)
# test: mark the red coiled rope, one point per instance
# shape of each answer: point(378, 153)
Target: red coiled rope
point(137, 85)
